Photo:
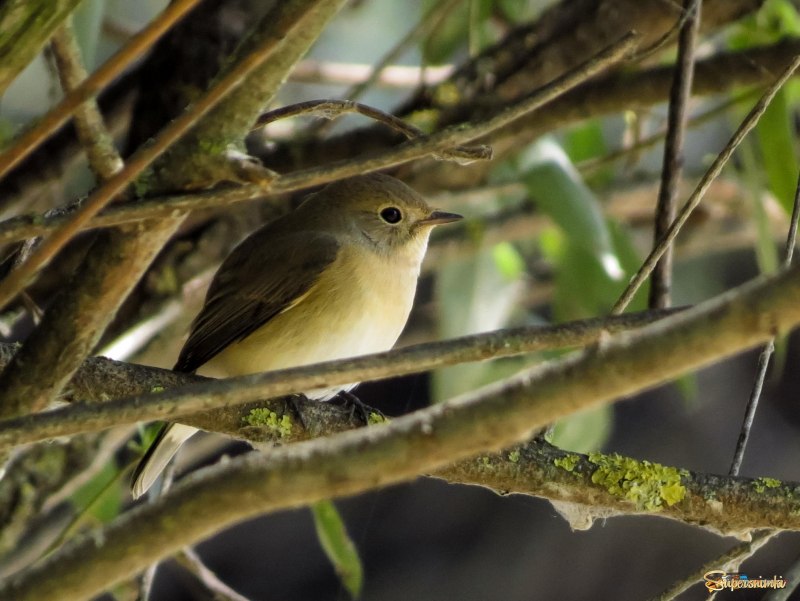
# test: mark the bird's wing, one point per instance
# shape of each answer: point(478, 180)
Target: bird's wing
point(245, 294)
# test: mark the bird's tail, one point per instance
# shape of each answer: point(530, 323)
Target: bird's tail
point(166, 444)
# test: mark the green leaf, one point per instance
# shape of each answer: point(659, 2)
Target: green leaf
point(775, 20)
point(100, 499)
point(338, 546)
point(559, 192)
point(582, 287)
point(465, 26)
point(585, 431)
point(509, 262)
point(753, 176)
point(474, 295)
point(585, 141)
point(775, 133)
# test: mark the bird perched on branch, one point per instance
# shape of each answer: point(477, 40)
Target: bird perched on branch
point(333, 279)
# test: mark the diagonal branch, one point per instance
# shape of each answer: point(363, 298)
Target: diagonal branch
point(98, 143)
point(25, 27)
point(100, 379)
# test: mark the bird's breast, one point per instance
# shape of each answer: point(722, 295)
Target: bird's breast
point(359, 305)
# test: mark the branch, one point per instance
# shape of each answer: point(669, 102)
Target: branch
point(489, 419)
point(98, 143)
point(330, 109)
point(25, 27)
point(587, 487)
point(100, 379)
point(672, 166)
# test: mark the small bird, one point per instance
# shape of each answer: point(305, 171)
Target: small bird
point(335, 278)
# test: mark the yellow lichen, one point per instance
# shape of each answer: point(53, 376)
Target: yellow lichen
point(649, 485)
point(264, 418)
point(762, 484)
point(376, 418)
point(567, 462)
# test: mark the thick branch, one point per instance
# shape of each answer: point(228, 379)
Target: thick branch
point(585, 487)
point(490, 419)
point(100, 379)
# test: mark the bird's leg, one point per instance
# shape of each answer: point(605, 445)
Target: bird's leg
point(356, 405)
point(293, 401)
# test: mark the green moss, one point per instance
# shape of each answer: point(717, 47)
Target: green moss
point(264, 418)
point(376, 418)
point(513, 456)
point(484, 462)
point(649, 485)
point(143, 184)
point(762, 484)
point(567, 462)
point(156, 389)
point(212, 146)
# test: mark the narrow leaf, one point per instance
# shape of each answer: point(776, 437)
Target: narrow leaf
point(338, 546)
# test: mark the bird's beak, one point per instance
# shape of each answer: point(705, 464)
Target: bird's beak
point(438, 217)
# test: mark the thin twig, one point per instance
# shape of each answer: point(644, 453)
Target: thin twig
point(90, 87)
point(102, 155)
point(504, 343)
point(672, 169)
point(191, 561)
point(728, 561)
point(716, 167)
point(331, 109)
point(766, 352)
point(430, 21)
point(593, 164)
point(661, 43)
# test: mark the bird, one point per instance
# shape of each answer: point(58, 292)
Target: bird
point(333, 279)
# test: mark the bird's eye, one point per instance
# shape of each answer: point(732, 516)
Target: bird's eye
point(391, 215)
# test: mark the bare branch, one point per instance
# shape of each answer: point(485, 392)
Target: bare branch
point(661, 278)
point(330, 109)
point(100, 379)
point(92, 133)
